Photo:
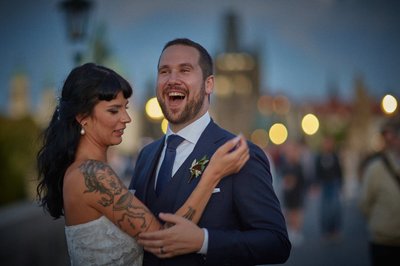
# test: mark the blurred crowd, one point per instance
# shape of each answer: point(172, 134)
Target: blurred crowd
point(301, 172)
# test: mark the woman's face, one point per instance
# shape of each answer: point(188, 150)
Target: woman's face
point(107, 123)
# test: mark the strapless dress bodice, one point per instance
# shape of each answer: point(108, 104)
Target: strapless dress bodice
point(100, 242)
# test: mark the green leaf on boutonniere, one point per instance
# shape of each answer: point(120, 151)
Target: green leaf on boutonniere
point(198, 167)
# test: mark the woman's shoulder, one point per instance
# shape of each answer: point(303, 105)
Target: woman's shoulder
point(91, 166)
point(73, 174)
point(82, 181)
point(86, 167)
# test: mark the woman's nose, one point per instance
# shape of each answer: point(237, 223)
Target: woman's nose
point(126, 118)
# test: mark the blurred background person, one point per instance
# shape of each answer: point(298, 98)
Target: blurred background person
point(330, 178)
point(293, 191)
point(380, 197)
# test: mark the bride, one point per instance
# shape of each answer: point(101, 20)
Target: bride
point(102, 216)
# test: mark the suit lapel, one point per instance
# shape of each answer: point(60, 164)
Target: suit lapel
point(148, 180)
point(208, 143)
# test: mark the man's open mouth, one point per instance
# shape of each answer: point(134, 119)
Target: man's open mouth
point(173, 96)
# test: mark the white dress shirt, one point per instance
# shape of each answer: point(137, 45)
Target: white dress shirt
point(191, 134)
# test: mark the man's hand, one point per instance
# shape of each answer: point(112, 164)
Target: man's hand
point(182, 237)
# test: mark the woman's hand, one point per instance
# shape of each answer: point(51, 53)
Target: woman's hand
point(183, 237)
point(229, 158)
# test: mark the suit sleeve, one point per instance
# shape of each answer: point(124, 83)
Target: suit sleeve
point(137, 171)
point(262, 237)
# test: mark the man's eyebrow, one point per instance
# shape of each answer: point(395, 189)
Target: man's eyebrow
point(186, 65)
point(165, 66)
point(180, 65)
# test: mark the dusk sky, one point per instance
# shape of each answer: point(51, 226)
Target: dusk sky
point(305, 44)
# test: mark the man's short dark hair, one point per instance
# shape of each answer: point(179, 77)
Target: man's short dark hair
point(205, 60)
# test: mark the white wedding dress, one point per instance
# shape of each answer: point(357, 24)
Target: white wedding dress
point(100, 242)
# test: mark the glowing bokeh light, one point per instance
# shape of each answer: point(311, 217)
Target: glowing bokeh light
point(153, 109)
point(164, 125)
point(389, 104)
point(310, 124)
point(278, 133)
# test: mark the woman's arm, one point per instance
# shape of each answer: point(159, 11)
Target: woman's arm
point(108, 195)
point(224, 162)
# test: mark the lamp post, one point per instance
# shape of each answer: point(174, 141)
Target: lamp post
point(77, 17)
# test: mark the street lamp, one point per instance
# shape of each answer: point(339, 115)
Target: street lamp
point(77, 17)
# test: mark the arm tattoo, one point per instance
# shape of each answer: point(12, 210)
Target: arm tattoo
point(189, 214)
point(100, 178)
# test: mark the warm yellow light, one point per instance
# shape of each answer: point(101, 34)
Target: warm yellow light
point(389, 104)
point(164, 125)
point(310, 124)
point(153, 109)
point(278, 133)
point(260, 137)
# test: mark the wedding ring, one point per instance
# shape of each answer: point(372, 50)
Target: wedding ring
point(161, 250)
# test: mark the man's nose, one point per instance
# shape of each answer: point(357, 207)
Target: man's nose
point(173, 77)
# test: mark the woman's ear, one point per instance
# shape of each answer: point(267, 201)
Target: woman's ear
point(80, 119)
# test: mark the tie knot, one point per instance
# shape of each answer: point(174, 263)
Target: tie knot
point(173, 141)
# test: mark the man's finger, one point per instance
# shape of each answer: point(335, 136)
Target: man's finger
point(171, 218)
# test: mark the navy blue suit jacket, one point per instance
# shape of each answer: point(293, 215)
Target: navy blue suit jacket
point(244, 219)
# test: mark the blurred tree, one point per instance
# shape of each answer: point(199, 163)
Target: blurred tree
point(18, 147)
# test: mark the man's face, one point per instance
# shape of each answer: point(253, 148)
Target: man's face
point(181, 90)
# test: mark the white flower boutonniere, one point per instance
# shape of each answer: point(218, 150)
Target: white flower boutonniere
point(198, 167)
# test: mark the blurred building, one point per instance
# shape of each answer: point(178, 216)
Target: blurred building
point(20, 101)
point(47, 105)
point(237, 86)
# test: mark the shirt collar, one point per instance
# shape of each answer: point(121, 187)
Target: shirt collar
point(193, 131)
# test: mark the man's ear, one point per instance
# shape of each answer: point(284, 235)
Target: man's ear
point(209, 84)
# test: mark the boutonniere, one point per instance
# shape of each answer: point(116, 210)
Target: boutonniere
point(198, 167)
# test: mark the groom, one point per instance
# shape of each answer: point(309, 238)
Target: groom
point(242, 223)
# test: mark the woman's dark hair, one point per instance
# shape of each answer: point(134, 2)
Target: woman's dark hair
point(84, 87)
point(205, 60)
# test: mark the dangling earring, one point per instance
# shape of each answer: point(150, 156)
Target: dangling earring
point(82, 131)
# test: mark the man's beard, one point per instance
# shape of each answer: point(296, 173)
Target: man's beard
point(190, 111)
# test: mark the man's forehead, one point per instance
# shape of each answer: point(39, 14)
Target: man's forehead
point(179, 54)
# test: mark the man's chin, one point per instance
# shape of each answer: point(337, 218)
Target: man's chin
point(176, 118)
